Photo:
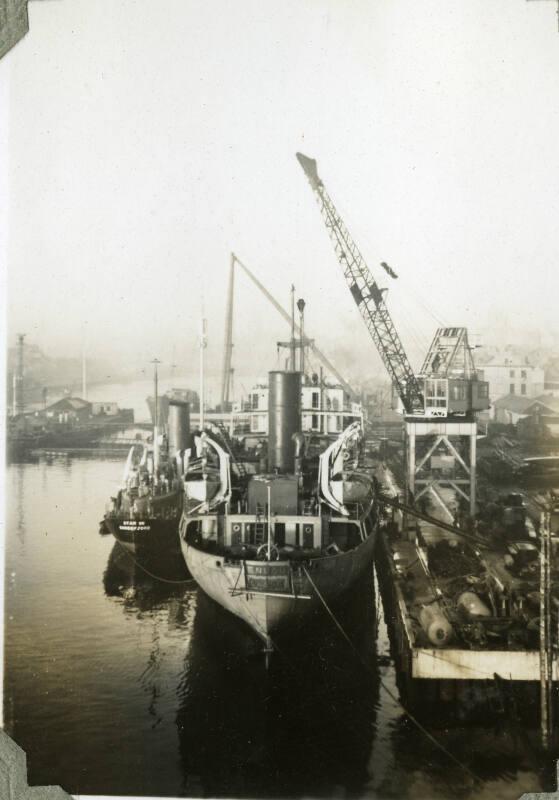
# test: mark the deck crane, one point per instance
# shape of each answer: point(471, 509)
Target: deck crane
point(440, 403)
point(368, 296)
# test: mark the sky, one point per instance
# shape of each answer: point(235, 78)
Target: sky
point(146, 141)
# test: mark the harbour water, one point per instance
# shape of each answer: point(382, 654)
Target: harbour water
point(119, 680)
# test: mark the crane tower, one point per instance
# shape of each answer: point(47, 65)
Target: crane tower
point(441, 401)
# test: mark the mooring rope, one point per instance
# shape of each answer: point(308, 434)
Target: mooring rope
point(151, 574)
point(388, 691)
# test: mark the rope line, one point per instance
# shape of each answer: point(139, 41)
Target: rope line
point(151, 574)
point(388, 691)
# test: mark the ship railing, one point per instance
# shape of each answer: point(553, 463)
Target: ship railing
point(258, 580)
point(167, 513)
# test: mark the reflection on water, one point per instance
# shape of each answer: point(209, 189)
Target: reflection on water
point(147, 585)
point(303, 726)
point(122, 678)
point(19, 471)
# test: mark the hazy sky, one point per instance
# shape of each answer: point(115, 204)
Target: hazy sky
point(148, 140)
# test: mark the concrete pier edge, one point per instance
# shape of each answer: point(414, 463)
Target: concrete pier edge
point(13, 775)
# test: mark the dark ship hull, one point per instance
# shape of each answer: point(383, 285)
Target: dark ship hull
point(151, 533)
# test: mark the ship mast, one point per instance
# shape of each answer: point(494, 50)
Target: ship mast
point(155, 362)
point(301, 307)
point(203, 343)
point(227, 375)
point(293, 365)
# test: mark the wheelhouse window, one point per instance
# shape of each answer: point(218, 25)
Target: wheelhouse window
point(458, 391)
point(435, 393)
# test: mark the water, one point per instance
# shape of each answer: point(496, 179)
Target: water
point(119, 683)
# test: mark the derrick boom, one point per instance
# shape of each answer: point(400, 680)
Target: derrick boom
point(367, 295)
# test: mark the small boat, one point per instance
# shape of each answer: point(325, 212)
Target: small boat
point(144, 516)
point(205, 476)
point(292, 540)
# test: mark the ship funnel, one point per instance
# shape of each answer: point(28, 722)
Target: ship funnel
point(284, 418)
point(178, 425)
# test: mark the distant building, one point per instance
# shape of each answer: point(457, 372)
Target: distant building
point(104, 409)
point(528, 413)
point(324, 409)
point(512, 377)
point(72, 410)
point(509, 409)
point(552, 376)
point(68, 410)
point(543, 411)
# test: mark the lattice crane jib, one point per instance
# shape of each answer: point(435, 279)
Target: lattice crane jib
point(368, 296)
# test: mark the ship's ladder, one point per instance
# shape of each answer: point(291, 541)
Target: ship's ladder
point(259, 526)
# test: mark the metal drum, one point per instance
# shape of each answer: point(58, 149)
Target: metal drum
point(435, 624)
point(473, 605)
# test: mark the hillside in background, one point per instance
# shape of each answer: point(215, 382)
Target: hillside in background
point(54, 373)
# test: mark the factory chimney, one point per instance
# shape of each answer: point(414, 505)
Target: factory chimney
point(18, 403)
point(84, 375)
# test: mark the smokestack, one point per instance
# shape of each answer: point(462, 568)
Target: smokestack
point(284, 418)
point(84, 375)
point(178, 425)
point(18, 405)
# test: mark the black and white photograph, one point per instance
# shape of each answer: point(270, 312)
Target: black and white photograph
point(279, 438)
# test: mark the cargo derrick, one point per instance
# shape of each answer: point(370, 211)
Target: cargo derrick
point(441, 401)
point(296, 329)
